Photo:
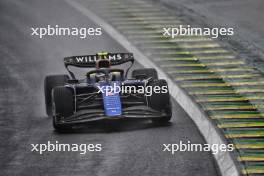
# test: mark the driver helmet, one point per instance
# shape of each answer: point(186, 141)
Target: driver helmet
point(102, 62)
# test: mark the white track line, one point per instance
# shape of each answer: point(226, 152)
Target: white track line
point(211, 134)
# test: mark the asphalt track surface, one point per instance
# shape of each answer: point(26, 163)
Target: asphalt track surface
point(128, 148)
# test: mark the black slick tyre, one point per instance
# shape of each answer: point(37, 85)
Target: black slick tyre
point(160, 101)
point(63, 106)
point(49, 83)
point(146, 72)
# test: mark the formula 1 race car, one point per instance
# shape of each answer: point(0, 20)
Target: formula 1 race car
point(105, 92)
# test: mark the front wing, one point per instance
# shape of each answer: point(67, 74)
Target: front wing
point(136, 112)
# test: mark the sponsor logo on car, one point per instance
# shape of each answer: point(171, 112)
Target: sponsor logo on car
point(85, 59)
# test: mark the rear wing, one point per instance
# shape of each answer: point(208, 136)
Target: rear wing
point(90, 60)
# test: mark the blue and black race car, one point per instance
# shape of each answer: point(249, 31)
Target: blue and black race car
point(105, 93)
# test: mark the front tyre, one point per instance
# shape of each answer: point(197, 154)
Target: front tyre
point(49, 83)
point(160, 100)
point(63, 106)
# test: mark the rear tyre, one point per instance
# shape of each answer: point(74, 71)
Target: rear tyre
point(146, 72)
point(160, 100)
point(63, 107)
point(49, 83)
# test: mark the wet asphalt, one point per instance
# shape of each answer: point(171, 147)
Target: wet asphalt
point(128, 148)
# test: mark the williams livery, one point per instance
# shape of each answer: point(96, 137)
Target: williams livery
point(105, 93)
